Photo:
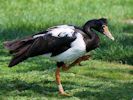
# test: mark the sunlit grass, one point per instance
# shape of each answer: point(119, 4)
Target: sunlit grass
point(22, 18)
point(107, 76)
point(93, 80)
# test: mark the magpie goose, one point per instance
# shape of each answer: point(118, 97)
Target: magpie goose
point(65, 44)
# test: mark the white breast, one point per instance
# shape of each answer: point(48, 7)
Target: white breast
point(78, 49)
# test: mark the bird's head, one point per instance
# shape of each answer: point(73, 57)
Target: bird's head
point(101, 26)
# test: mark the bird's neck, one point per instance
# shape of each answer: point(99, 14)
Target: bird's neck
point(88, 29)
point(92, 39)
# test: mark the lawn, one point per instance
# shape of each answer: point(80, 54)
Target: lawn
point(108, 75)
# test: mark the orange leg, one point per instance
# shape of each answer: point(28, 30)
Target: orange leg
point(78, 61)
point(65, 68)
point(57, 75)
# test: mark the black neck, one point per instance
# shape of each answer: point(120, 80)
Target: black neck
point(88, 29)
point(92, 40)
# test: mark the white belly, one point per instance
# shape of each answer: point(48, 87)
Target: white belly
point(69, 56)
point(78, 49)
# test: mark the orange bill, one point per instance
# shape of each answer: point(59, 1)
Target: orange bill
point(107, 32)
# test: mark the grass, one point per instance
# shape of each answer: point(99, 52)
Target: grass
point(19, 18)
point(95, 80)
point(107, 76)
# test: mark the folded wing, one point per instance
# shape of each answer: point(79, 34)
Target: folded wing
point(39, 44)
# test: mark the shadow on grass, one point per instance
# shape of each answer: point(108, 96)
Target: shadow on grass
point(22, 30)
point(18, 87)
point(121, 92)
point(127, 60)
point(127, 41)
point(35, 64)
point(7, 87)
point(128, 28)
point(120, 50)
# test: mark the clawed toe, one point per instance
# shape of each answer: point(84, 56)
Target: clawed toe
point(65, 94)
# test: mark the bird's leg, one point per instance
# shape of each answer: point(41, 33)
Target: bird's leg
point(83, 58)
point(79, 60)
point(57, 74)
point(61, 90)
point(65, 68)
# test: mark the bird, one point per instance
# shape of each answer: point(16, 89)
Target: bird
point(66, 44)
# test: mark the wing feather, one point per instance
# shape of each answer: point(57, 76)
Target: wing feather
point(50, 44)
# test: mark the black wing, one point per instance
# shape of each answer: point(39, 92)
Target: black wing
point(50, 44)
point(23, 49)
point(42, 43)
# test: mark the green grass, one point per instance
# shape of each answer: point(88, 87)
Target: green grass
point(19, 18)
point(97, 79)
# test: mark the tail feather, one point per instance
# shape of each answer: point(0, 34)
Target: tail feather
point(19, 56)
point(13, 46)
point(18, 49)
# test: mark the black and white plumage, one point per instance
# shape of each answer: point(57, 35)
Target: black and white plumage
point(63, 43)
point(67, 43)
point(60, 43)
